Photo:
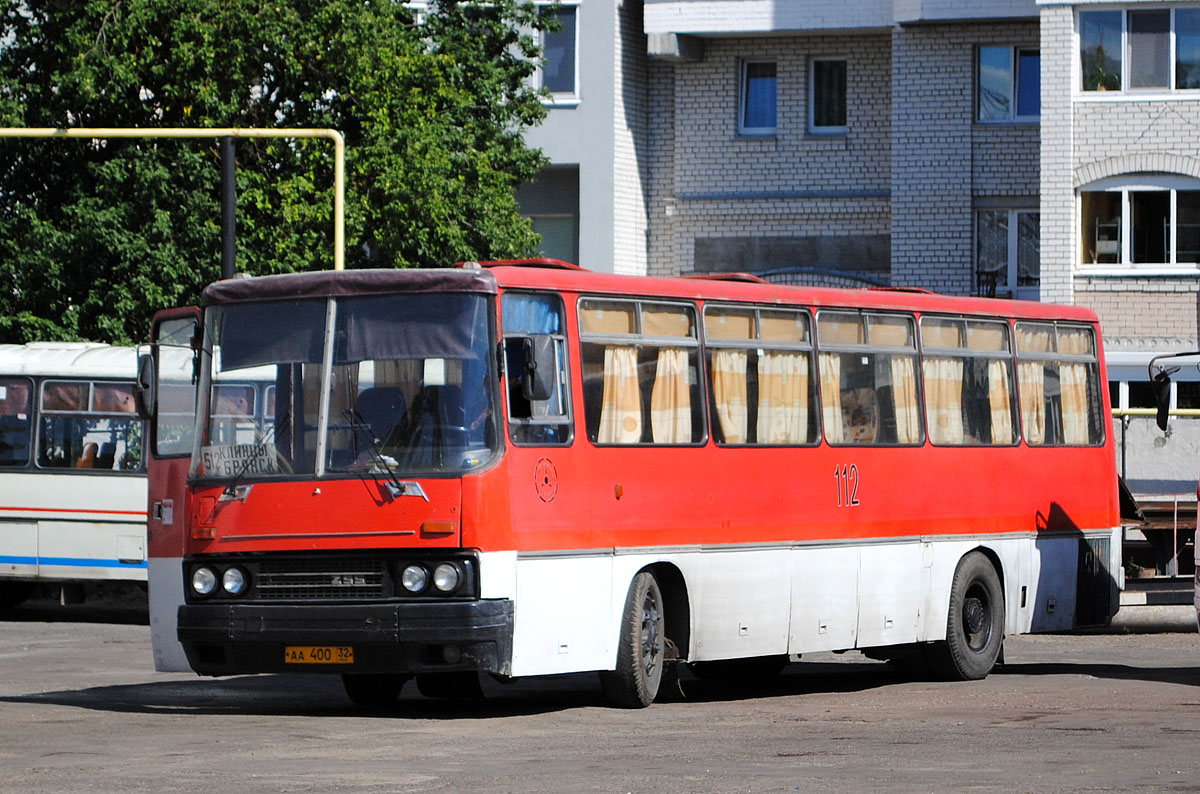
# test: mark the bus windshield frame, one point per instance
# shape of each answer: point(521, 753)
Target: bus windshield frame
point(391, 385)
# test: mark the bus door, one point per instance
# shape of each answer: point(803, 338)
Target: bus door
point(167, 396)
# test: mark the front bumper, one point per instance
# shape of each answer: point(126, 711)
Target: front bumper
point(226, 639)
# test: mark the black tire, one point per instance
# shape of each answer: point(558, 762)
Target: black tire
point(640, 651)
point(458, 685)
point(751, 670)
point(975, 624)
point(13, 594)
point(373, 690)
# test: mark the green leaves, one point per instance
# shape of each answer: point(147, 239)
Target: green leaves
point(96, 236)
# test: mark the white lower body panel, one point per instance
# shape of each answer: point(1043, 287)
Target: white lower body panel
point(766, 600)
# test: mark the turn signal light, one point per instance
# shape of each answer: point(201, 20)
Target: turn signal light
point(434, 529)
point(203, 533)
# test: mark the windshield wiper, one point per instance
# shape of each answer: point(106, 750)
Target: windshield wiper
point(359, 425)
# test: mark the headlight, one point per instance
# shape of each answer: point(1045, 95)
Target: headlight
point(446, 577)
point(414, 578)
point(234, 581)
point(204, 581)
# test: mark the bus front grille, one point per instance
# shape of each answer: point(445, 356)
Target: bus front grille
point(322, 579)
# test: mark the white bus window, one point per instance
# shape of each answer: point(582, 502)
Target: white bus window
point(15, 408)
point(86, 425)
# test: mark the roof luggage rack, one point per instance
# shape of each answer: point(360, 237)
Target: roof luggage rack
point(554, 264)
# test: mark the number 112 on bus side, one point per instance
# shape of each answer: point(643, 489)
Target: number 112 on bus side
point(524, 468)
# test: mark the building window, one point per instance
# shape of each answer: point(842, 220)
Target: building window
point(1152, 49)
point(756, 115)
point(1008, 252)
point(827, 96)
point(1154, 223)
point(1010, 83)
point(559, 49)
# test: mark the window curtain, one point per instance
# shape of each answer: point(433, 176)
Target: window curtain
point(904, 394)
point(1072, 380)
point(1031, 378)
point(831, 397)
point(1073, 384)
point(1000, 401)
point(782, 398)
point(621, 406)
point(729, 394)
point(671, 399)
point(943, 399)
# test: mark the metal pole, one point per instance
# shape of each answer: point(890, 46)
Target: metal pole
point(228, 209)
point(339, 155)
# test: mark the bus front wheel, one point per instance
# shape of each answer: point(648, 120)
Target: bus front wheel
point(975, 624)
point(634, 684)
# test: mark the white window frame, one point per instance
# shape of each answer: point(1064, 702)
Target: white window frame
point(829, 129)
point(1126, 185)
point(1014, 69)
point(560, 97)
point(1125, 91)
point(1008, 287)
point(743, 86)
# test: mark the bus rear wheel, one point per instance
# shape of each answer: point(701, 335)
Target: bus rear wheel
point(640, 651)
point(373, 690)
point(975, 624)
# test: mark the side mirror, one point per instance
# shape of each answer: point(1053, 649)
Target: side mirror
point(145, 387)
point(541, 368)
point(1162, 398)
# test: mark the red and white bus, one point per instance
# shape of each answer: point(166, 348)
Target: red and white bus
point(525, 468)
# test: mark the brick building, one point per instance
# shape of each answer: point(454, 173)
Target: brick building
point(1043, 149)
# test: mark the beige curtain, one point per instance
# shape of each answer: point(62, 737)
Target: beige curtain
point(782, 398)
point(671, 399)
point(904, 394)
point(729, 394)
point(1031, 376)
point(621, 408)
point(943, 399)
point(1000, 401)
point(1072, 380)
point(831, 397)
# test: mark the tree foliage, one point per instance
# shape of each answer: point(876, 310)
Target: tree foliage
point(97, 235)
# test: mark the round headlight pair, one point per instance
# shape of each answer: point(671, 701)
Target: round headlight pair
point(446, 577)
point(234, 581)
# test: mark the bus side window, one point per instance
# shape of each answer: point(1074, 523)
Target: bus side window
point(760, 366)
point(15, 420)
point(641, 372)
point(869, 379)
point(533, 421)
point(89, 425)
point(1059, 385)
point(968, 382)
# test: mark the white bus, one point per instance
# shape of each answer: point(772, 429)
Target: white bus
point(72, 467)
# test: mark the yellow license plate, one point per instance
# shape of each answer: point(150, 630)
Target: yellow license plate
point(318, 654)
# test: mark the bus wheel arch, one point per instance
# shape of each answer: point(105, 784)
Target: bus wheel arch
point(678, 610)
point(974, 621)
point(643, 646)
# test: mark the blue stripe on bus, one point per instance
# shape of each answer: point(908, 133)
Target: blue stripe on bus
point(75, 562)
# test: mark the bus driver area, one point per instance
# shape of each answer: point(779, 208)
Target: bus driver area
point(523, 468)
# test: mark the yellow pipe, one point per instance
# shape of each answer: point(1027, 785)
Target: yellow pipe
point(339, 155)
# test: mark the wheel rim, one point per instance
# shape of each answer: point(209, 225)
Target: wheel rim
point(977, 616)
point(652, 642)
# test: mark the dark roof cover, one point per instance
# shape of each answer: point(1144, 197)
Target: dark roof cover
point(343, 283)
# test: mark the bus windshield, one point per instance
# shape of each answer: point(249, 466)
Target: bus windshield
point(407, 387)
